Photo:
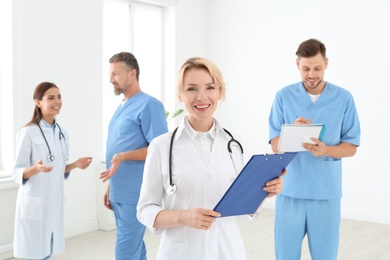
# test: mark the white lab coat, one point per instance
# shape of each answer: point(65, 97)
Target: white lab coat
point(40, 201)
point(199, 185)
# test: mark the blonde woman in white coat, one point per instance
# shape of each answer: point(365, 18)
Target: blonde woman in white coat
point(202, 170)
point(40, 169)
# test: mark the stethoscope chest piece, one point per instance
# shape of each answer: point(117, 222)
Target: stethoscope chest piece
point(171, 189)
point(50, 157)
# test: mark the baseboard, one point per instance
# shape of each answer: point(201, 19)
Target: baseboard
point(358, 216)
point(345, 214)
point(80, 229)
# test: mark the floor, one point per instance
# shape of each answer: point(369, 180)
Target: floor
point(358, 241)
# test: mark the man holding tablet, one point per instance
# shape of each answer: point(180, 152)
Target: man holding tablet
point(310, 201)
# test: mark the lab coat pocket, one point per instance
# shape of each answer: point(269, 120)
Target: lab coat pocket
point(40, 145)
point(31, 208)
point(176, 251)
point(174, 243)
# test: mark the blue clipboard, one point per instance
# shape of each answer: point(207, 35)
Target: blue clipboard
point(246, 193)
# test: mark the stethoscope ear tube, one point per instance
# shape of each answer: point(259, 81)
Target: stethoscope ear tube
point(232, 140)
point(172, 186)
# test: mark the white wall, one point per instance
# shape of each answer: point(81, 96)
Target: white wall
point(191, 29)
point(252, 41)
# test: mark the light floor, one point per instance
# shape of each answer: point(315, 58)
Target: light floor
point(358, 241)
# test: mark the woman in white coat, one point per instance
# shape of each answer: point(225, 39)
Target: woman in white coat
point(202, 171)
point(40, 169)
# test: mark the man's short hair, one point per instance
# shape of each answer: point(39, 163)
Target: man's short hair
point(128, 60)
point(310, 48)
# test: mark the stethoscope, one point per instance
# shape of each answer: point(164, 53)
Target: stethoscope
point(51, 157)
point(172, 187)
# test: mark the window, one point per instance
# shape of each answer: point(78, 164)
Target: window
point(147, 31)
point(152, 41)
point(6, 90)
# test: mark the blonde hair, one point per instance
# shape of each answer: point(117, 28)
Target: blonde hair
point(201, 63)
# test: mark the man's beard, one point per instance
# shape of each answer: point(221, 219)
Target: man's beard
point(120, 90)
point(312, 86)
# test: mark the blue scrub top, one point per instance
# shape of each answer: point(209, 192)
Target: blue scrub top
point(133, 126)
point(311, 177)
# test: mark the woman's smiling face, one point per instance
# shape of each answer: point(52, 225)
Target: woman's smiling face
point(50, 104)
point(200, 97)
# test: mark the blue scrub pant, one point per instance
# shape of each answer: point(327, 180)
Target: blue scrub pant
point(130, 233)
point(318, 219)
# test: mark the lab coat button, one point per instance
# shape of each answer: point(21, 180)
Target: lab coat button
point(211, 254)
point(211, 203)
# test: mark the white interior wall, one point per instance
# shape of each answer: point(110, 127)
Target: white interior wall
point(253, 42)
point(191, 30)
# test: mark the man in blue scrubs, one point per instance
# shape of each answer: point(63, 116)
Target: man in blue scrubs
point(310, 201)
point(136, 122)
